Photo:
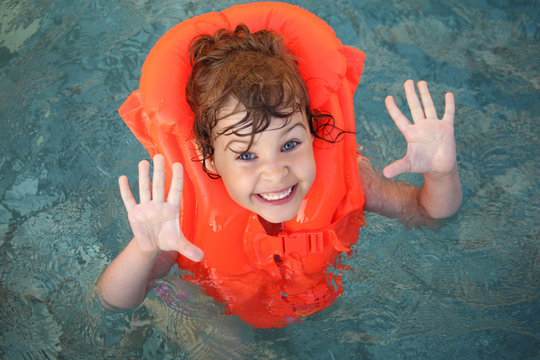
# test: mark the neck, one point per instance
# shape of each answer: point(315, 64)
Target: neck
point(271, 228)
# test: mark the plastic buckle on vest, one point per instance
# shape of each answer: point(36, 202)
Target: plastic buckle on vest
point(300, 243)
point(303, 243)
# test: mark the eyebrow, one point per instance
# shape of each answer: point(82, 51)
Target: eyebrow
point(299, 123)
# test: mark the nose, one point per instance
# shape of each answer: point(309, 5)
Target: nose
point(274, 169)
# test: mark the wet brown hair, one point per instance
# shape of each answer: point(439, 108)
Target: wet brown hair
point(260, 73)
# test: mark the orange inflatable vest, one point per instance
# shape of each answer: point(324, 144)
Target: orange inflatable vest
point(267, 280)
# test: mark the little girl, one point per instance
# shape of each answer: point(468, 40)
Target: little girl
point(291, 189)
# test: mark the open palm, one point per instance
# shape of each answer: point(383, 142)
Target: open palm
point(430, 142)
point(154, 221)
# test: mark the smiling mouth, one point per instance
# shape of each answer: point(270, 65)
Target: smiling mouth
point(277, 196)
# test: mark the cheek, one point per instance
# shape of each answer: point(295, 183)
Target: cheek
point(311, 166)
point(306, 168)
point(237, 183)
point(312, 172)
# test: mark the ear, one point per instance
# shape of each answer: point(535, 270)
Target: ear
point(209, 163)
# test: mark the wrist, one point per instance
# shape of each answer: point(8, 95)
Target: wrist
point(442, 176)
point(441, 194)
point(144, 249)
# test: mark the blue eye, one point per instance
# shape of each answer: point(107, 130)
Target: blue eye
point(289, 145)
point(246, 156)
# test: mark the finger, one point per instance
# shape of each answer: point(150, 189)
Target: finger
point(429, 108)
point(449, 108)
point(412, 99)
point(175, 192)
point(189, 250)
point(144, 182)
point(158, 179)
point(125, 192)
point(397, 168)
point(401, 120)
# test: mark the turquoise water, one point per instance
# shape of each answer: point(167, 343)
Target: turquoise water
point(468, 291)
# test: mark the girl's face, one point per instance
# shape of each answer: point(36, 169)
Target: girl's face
point(274, 175)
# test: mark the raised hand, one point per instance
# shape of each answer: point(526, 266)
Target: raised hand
point(154, 221)
point(431, 145)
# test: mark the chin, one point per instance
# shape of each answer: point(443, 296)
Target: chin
point(277, 218)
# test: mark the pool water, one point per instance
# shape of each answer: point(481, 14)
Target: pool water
point(467, 291)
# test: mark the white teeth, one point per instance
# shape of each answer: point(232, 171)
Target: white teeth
point(276, 196)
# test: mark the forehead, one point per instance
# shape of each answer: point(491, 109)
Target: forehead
point(229, 114)
point(232, 120)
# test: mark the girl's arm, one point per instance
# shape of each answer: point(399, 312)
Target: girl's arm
point(431, 150)
point(156, 242)
point(126, 281)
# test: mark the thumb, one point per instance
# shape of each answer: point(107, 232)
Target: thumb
point(191, 251)
point(187, 249)
point(397, 168)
